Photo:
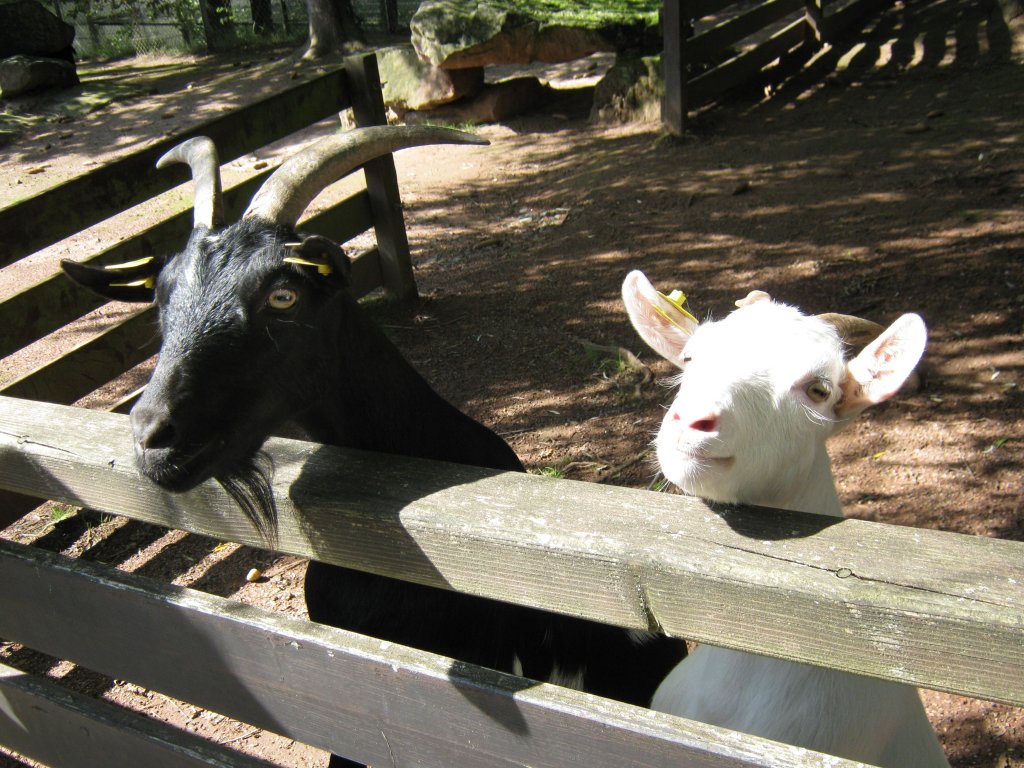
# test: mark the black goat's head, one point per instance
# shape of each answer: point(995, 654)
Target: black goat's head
point(249, 315)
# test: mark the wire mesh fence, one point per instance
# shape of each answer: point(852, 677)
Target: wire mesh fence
point(123, 28)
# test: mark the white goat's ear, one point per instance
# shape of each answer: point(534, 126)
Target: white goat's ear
point(658, 321)
point(878, 372)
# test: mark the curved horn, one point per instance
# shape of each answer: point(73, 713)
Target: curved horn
point(292, 187)
point(855, 331)
point(201, 156)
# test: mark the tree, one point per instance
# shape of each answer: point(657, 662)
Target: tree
point(262, 17)
point(217, 23)
point(333, 24)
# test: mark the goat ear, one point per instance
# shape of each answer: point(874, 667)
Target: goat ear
point(121, 282)
point(660, 323)
point(323, 253)
point(878, 372)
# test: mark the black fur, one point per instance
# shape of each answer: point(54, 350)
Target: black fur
point(232, 371)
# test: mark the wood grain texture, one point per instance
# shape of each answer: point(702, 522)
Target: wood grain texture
point(382, 183)
point(710, 44)
point(370, 700)
point(56, 726)
point(740, 69)
point(925, 607)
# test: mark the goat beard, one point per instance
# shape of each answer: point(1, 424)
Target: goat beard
point(248, 483)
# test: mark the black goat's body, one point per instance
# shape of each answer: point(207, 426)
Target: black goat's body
point(254, 339)
point(407, 417)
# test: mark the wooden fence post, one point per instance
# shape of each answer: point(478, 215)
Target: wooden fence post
point(382, 183)
point(815, 15)
point(675, 25)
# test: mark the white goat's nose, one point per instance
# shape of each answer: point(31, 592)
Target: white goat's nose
point(707, 423)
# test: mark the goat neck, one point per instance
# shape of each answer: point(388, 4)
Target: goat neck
point(372, 398)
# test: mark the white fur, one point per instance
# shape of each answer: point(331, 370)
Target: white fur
point(744, 427)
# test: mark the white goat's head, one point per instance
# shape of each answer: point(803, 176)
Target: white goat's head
point(761, 391)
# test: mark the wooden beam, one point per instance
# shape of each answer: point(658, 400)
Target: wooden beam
point(923, 607)
point(675, 23)
point(374, 701)
point(382, 183)
point(28, 225)
point(711, 43)
point(44, 721)
point(741, 69)
point(92, 363)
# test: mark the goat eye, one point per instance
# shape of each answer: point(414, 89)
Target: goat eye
point(282, 298)
point(819, 390)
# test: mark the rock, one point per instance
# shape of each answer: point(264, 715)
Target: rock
point(455, 34)
point(631, 91)
point(21, 74)
point(408, 82)
point(495, 102)
point(26, 27)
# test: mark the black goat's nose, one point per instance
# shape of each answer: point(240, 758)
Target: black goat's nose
point(153, 429)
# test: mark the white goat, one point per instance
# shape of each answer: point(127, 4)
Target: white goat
point(760, 392)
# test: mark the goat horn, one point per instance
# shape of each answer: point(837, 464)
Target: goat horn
point(855, 331)
point(201, 156)
point(292, 187)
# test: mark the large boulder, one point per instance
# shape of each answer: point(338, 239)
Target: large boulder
point(495, 103)
point(21, 74)
point(408, 82)
point(453, 34)
point(631, 91)
point(28, 28)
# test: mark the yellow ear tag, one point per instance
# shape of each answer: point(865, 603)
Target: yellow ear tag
point(131, 264)
point(144, 283)
point(323, 268)
point(677, 299)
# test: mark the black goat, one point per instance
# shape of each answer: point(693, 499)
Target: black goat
point(259, 330)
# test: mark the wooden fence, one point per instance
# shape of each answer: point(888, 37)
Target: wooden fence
point(923, 607)
point(738, 40)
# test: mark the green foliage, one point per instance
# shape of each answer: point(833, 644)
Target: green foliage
point(61, 512)
point(588, 14)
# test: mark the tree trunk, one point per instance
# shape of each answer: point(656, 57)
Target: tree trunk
point(332, 24)
point(262, 17)
point(220, 32)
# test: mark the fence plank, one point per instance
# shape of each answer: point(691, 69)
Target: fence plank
point(374, 701)
point(676, 30)
point(28, 225)
point(382, 183)
point(92, 363)
point(924, 607)
point(713, 42)
point(739, 70)
point(44, 721)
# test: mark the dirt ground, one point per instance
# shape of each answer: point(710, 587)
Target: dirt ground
point(886, 177)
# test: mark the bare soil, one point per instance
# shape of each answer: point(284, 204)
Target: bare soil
point(886, 177)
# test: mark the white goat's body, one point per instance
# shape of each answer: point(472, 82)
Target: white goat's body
point(760, 392)
point(851, 716)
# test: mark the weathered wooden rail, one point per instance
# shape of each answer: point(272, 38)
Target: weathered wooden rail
point(924, 607)
point(700, 67)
